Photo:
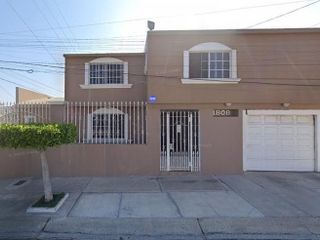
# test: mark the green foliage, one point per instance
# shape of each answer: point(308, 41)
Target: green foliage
point(36, 135)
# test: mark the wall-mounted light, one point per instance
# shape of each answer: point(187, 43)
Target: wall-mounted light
point(285, 105)
point(228, 104)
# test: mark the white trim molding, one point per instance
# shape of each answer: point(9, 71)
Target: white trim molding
point(233, 65)
point(315, 113)
point(101, 86)
point(125, 73)
point(210, 81)
point(186, 64)
point(86, 73)
point(209, 46)
point(106, 60)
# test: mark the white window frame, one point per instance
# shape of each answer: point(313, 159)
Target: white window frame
point(210, 47)
point(107, 111)
point(315, 113)
point(106, 60)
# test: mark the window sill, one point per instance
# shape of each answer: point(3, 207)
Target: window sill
point(99, 86)
point(210, 80)
point(109, 140)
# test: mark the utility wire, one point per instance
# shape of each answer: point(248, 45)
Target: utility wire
point(241, 82)
point(17, 84)
point(79, 70)
point(66, 22)
point(33, 81)
point(30, 29)
point(6, 91)
point(75, 66)
point(58, 23)
point(282, 15)
point(218, 80)
point(45, 18)
point(17, 69)
point(166, 16)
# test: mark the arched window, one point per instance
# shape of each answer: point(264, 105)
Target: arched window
point(108, 125)
point(210, 61)
point(106, 72)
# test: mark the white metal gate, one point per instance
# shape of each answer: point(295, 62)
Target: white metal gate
point(180, 140)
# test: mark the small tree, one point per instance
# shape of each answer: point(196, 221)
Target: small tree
point(38, 137)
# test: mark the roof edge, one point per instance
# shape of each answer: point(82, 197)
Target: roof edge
point(102, 54)
point(236, 31)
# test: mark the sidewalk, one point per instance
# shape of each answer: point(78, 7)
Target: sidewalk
point(256, 205)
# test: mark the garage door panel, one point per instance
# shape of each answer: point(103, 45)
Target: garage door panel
point(270, 141)
point(271, 119)
point(285, 155)
point(305, 142)
point(308, 130)
point(255, 119)
point(305, 120)
point(271, 155)
point(254, 155)
point(270, 130)
point(280, 143)
point(287, 119)
point(307, 154)
point(287, 141)
point(255, 130)
point(280, 165)
point(286, 131)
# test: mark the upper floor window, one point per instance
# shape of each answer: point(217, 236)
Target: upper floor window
point(210, 61)
point(210, 65)
point(106, 73)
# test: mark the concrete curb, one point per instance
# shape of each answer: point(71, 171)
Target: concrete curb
point(47, 210)
point(159, 228)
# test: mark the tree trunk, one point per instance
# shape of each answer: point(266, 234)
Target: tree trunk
point(46, 177)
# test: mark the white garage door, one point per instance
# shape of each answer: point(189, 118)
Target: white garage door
point(280, 143)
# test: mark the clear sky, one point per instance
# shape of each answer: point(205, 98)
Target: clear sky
point(40, 31)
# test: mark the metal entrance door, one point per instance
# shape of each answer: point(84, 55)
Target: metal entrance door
point(180, 141)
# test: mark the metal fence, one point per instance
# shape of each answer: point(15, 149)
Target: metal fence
point(25, 113)
point(108, 122)
point(96, 122)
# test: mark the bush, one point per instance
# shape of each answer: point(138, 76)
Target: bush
point(36, 136)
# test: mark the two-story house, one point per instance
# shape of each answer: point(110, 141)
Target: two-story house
point(204, 101)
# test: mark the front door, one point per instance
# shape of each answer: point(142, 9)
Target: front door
point(180, 140)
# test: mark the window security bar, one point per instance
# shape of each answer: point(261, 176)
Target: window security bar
point(108, 122)
point(96, 122)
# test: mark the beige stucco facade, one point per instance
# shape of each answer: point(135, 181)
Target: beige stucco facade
point(75, 76)
point(268, 61)
point(28, 96)
point(266, 56)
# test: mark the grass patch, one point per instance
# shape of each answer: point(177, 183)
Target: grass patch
point(41, 203)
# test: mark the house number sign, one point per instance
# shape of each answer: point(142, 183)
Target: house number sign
point(225, 112)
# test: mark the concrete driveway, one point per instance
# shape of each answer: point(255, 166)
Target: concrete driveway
point(203, 205)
